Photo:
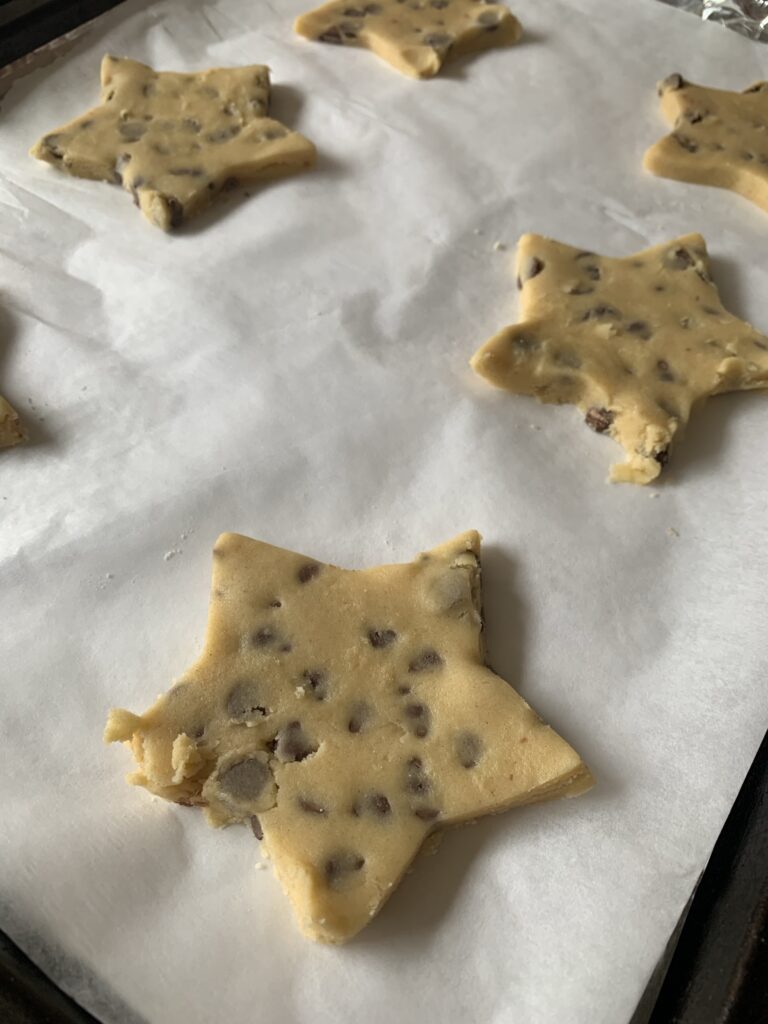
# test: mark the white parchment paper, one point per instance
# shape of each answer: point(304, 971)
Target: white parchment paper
point(294, 367)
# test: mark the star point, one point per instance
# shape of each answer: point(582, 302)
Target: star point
point(633, 342)
point(346, 714)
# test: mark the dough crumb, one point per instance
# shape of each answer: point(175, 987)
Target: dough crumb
point(171, 554)
point(672, 532)
point(654, 494)
point(260, 865)
point(499, 247)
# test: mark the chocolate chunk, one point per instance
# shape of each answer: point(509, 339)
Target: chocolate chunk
point(293, 744)
point(534, 265)
point(759, 87)
point(579, 289)
point(317, 681)
point(381, 637)
point(336, 34)
point(640, 329)
point(403, 690)
point(438, 40)
point(263, 637)
point(245, 779)
point(662, 456)
point(469, 749)
point(426, 661)
point(375, 804)
point(131, 131)
point(418, 719)
point(359, 715)
point(244, 702)
point(525, 343)
point(308, 572)
point(599, 420)
point(174, 207)
point(223, 134)
point(663, 371)
point(692, 117)
point(592, 271)
point(426, 813)
point(685, 142)
point(671, 83)
point(602, 312)
point(256, 827)
point(338, 868)
point(416, 780)
point(311, 806)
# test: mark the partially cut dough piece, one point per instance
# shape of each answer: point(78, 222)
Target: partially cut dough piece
point(414, 36)
point(175, 141)
point(10, 426)
point(346, 715)
point(634, 343)
point(718, 138)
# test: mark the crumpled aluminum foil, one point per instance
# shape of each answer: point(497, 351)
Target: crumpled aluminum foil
point(749, 17)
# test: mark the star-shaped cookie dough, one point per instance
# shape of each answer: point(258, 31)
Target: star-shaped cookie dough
point(175, 141)
point(719, 138)
point(414, 36)
point(632, 342)
point(10, 427)
point(346, 715)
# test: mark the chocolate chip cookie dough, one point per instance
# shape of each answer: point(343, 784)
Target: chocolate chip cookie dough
point(10, 427)
point(632, 342)
point(175, 141)
point(345, 715)
point(414, 36)
point(719, 138)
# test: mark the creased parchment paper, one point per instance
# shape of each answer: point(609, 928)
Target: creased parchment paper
point(294, 367)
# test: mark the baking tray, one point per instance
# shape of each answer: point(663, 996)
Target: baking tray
point(715, 967)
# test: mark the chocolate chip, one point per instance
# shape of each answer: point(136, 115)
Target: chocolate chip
point(602, 312)
point(662, 456)
point(191, 124)
point(339, 33)
point(567, 358)
point(131, 131)
point(416, 780)
point(640, 329)
point(525, 343)
point(223, 134)
point(244, 702)
point(353, 12)
point(120, 164)
point(274, 133)
point(439, 5)
point(51, 143)
point(373, 9)
point(693, 117)
point(381, 637)
point(518, 282)
point(263, 637)
point(579, 289)
point(468, 749)
point(317, 681)
point(186, 172)
point(359, 715)
point(592, 272)
point(490, 19)
point(373, 803)
point(403, 690)
point(419, 718)
point(598, 419)
point(245, 779)
point(174, 207)
point(686, 322)
point(663, 371)
point(426, 661)
point(758, 87)
point(277, 603)
point(293, 744)
point(704, 275)
point(438, 40)
point(685, 142)
point(426, 813)
point(256, 827)
point(534, 265)
point(311, 806)
point(341, 866)
point(671, 84)
point(308, 572)
point(208, 90)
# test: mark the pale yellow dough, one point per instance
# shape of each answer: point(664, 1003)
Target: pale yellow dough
point(414, 36)
point(10, 427)
point(347, 715)
point(719, 138)
point(634, 343)
point(175, 141)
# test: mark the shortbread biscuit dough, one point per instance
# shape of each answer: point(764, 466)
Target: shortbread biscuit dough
point(414, 36)
point(634, 343)
point(719, 138)
point(10, 427)
point(345, 715)
point(175, 141)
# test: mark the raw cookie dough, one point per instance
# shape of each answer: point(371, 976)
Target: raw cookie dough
point(414, 36)
point(719, 138)
point(345, 715)
point(632, 342)
point(10, 427)
point(175, 141)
